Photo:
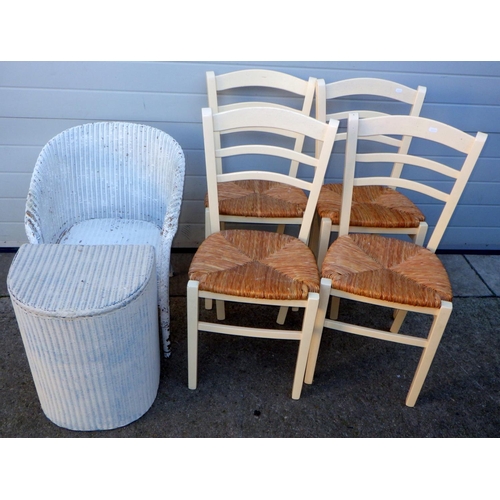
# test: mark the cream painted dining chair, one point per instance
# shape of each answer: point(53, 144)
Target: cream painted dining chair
point(252, 266)
point(388, 271)
point(255, 201)
point(379, 209)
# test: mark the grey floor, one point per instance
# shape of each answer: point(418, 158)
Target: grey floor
point(244, 384)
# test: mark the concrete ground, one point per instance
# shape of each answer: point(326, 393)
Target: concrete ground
point(244, 384)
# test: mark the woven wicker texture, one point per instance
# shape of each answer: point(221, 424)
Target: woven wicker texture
point(108, 172)
point(372, 206)
point(256, 264)
point(256, 198)
point(387, 269)
point(79, 280)
point(88, 319)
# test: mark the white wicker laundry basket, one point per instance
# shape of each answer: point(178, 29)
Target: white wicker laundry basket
point(88, 318)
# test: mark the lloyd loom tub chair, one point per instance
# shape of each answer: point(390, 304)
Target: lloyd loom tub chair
point(388, 271)
point(380, 209)
point(251, 266)
point(256, 201)
point(110, 183)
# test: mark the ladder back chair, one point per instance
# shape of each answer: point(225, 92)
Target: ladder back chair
point(256, 201)
point(385, 210)
point(252, 266)
point(389, 271)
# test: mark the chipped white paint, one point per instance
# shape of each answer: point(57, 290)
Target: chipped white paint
point(110, 183)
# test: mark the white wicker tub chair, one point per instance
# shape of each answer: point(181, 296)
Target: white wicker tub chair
point(110, 183)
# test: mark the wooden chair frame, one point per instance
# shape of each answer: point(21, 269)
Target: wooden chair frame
point(376, 87)
point(263, 79)
point(281, 122)
point(426, 129)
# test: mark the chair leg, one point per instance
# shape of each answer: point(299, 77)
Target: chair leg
point(280, 229)
point(324, 238)
point(334, 308)
point(324, 295)
point(314, 237)
point(419, 238)
point(282, 315)
point(399, 316)
point(305, 342)
point(220, 309)
point(192, 332)
point(435, 334)
point(219, 304)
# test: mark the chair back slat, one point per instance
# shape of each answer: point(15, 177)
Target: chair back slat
point(339, 91)
point(409, 160)
point(468, 147)
point(302, 91)
point(281, 122)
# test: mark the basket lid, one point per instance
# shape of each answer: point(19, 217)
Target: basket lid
point(79, 280)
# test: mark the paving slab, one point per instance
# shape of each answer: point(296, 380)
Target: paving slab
point(488, 267)
point(180, 264)
point(465, 281)
point(5, 262)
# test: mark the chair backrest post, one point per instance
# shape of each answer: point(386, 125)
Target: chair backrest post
point(416, 107)
point(327, 142)
point(211, 144)
point(349, 170)
point(456, 192)
point(213, 102)
point(320, 108)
